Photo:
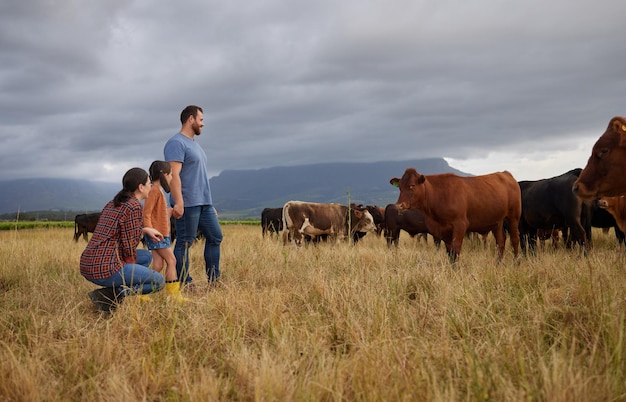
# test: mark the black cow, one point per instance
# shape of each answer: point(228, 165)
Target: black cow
point(551, 204)
point(85, 223)
point(411, 221)
point(272, 220)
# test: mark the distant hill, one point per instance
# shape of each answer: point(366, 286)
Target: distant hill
point(245, 193)
point(55, 194)
point(237, 194)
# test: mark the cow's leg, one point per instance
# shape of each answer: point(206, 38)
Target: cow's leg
point(449, 251)
point(288, 235)
point(275, 228)
point(393, 237)
point(85, 234)
point(389, 240)
point(300, 233)
point(555, 238)
point(523, 242)
point(578, 235)
point(514, 235)
point(458, 234)
point(498, 233)
point(619, 235)
point(532, 241)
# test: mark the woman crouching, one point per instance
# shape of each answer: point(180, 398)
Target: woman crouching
point(111, 258)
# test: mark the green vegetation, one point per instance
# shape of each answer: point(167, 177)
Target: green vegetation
point(42, 215)
point(20, 225)
point(327, 322)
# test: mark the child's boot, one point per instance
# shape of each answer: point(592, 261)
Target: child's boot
point(173, 292)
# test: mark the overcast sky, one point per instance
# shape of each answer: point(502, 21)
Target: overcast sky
point(90, 89)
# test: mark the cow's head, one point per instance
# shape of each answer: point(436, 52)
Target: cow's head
point(411, 187)
point(362, 221)
point(606, 167)
point(377, 213)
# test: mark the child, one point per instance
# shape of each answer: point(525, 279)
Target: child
point(156, 215)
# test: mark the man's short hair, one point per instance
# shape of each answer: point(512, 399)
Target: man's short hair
point(190, 110)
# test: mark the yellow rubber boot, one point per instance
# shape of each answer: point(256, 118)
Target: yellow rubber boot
point(144, 298)
point(173, 292)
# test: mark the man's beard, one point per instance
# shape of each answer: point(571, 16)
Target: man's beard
point(196, 128)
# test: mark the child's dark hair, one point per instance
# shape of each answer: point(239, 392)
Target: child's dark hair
point(158, 169)
point(130, 183)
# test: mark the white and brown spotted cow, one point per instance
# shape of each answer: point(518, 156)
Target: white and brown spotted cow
point(316, 219)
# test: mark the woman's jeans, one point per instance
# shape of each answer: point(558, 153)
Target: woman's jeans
point(201, 218)
point(135, 278)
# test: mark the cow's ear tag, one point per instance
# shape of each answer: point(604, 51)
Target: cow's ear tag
point(395, 182)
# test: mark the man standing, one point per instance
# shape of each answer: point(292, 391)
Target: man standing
point(192, 205)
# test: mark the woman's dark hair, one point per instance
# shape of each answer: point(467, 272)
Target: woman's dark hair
point(157, 171)
point(130, 183)
point(191, 110)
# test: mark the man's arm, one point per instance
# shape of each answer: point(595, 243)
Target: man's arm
point(176, 189)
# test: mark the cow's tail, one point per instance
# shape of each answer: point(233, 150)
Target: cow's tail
point(75, 231)
point(287, 223)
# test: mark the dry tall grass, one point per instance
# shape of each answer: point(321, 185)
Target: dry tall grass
point(331, 322)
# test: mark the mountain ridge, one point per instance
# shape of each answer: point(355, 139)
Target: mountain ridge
point(236, 193)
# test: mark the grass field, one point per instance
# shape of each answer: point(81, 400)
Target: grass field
point(330, 322)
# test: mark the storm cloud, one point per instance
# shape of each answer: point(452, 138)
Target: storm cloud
point(90, 89)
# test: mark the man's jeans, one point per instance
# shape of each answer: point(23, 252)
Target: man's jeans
point(204, 219)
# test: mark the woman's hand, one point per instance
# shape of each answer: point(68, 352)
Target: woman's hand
point(154, 234)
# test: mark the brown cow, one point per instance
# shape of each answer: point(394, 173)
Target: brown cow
point(315, 219)
point(454, 205)
point(616, 206)
point(85, 223)
point(606, 167)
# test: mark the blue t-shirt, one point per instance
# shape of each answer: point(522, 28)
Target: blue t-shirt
point(193, 174)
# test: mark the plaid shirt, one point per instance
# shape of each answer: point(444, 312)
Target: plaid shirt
point(114, 241)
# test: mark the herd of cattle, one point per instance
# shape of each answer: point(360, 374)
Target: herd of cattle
point(449, 207)
point(543, 209)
